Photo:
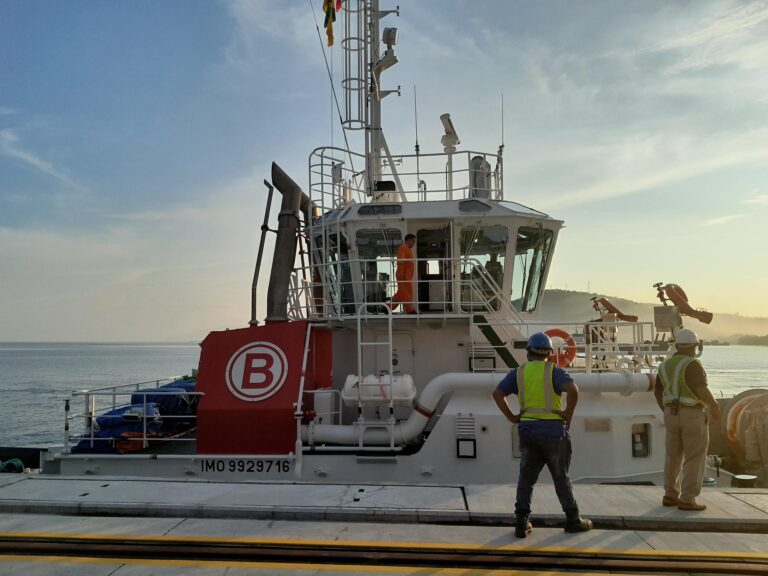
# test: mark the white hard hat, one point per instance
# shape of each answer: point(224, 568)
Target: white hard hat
point(686, 338)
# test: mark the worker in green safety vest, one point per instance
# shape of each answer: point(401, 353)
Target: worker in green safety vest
point(682, 394)
point(543, 428)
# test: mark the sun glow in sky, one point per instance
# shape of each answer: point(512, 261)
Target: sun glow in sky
point(135, 136)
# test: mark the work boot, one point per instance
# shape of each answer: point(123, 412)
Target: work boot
point(579, 525)
point(522, 527)
point(695, 506)
point(669, 501)
point(575, 523)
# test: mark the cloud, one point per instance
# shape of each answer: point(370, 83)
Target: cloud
point(10, 146)
point(165, 275)
point(637, 164)
point(731, 37)
point(290, 25)
point(4, 111)
point(723, 220)
point(758, 200)
point(717, 28)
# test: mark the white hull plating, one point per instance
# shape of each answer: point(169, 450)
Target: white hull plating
point(471, 442)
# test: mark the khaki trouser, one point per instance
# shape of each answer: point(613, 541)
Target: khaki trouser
point(687, 442)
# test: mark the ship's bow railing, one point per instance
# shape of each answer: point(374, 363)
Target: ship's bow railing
point(130, 417)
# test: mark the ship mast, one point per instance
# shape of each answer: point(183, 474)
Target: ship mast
point(363, 93)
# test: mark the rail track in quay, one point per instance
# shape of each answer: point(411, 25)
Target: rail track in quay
point(368, 556)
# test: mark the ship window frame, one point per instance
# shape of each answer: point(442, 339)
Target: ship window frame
point(473, 205)
point(382, 285)
point(380, 210)
point(478, 243)
point(335, 268)
point(532, 263)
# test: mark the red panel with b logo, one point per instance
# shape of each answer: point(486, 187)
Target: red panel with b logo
point(250, 378)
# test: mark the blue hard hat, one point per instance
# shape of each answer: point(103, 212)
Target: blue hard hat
point(539, 341)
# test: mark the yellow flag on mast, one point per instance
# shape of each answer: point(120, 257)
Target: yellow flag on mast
point(330, 7)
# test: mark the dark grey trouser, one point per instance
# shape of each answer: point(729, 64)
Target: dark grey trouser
point(536, 451)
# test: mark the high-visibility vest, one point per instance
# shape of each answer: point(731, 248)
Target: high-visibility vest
point(672, 375)
point(536, 392)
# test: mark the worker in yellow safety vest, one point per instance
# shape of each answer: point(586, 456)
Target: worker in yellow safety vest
point(682, 394)
point(542, 425)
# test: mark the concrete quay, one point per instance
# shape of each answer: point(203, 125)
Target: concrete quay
point(732, 510)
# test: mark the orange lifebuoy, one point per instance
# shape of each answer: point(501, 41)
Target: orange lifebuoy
point(565, 358)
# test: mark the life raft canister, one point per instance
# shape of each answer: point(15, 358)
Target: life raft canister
point(562, 359)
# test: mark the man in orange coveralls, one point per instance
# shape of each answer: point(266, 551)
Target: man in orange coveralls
point(404, 275)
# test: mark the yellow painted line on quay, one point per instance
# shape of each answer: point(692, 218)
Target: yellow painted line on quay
point(383, 546)
point(357, 569)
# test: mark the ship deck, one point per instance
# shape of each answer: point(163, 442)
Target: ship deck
point(629, 521)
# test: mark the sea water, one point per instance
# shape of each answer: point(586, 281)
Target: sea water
point(733, 369)
point(35, 379)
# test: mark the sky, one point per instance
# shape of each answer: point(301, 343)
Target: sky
point(135, 138)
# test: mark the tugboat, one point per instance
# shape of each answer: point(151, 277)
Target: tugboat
point(336, 386)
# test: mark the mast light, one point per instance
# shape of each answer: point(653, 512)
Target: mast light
point(389, 37)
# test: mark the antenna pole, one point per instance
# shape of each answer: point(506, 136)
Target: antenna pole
point(416, 123)
point(502, 119)
point(499, 173)
point(374, 98)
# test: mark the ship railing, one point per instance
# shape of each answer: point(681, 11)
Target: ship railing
point(495, 307)
point(448, 288)
point(457, 288)
point(597, 346)
point(337, 177)
point(98, 402)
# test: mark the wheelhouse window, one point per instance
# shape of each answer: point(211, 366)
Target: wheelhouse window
point(380, 210)
point(532, 252)
point(377, 250)
point(483, 257)
point(335, 271)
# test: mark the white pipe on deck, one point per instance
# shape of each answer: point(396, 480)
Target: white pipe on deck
point(377, 433)
point(625, 382)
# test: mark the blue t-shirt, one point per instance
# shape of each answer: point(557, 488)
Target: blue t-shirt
point(551, 428)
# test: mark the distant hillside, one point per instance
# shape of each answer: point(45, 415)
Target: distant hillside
point(753, 340)
point(572, 306)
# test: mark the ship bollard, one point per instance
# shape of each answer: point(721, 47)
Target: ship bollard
point(743, 481)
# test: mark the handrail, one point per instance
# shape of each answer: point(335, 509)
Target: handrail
point(115, 386)
point(624, 346)
point(362, 313)
point(438, 176)
point(343, 295)
point(93, 410)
